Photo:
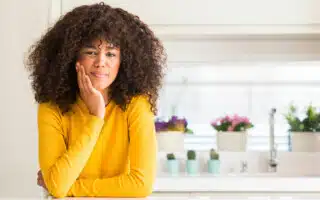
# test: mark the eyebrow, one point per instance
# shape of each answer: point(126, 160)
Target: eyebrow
point(91, 46)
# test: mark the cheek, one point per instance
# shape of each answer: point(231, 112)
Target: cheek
point(115, 69)
point(85, 62)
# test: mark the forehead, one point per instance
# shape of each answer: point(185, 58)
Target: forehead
point(101, 43)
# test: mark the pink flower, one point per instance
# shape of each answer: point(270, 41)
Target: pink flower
point(231, 123)
point(214, 123)
point(235, 123)
point(236, 117)
point(228, 119)
point(246, 120)
point(219, 120)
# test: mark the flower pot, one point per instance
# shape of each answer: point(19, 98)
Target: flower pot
point(304, 141)
point(170, 141)
point(214, 166)
point(232, 141)
point(173, 167)
point(317, 141)
point(192, 167)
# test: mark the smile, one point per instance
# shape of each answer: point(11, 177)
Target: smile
point(99, 75)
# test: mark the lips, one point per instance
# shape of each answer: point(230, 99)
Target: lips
point(99, 75)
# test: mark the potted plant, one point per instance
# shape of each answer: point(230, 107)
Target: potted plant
point(213, 162)
point(170, 134)
point(192, 162)
point(303, 130)
point(232, 132)
point(174, 124)
point(172, 164)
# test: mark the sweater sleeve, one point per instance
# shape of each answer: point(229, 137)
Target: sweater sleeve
point(142, 157)
point(61, 165)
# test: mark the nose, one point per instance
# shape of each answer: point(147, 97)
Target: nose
point(100, 60)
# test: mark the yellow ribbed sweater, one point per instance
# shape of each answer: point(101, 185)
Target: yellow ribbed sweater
point(83, 155)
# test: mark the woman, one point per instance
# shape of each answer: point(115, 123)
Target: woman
point(96, 75)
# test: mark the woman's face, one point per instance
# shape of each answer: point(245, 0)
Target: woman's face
point(101, 62)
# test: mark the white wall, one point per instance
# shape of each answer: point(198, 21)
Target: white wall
point(21, 22)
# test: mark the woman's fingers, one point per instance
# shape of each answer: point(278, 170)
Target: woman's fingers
point(40, 180)
point(87, 82)
point(84, 81)
point(89, 85)
point(79, 72)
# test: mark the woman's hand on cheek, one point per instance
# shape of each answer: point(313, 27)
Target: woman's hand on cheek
point(91, 97)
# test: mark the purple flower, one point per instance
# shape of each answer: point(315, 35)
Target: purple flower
point(174, 124)
point(173, 119)
point(161, 125)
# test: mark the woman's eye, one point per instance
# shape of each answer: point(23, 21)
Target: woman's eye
point(110, 54)
point(91, 53)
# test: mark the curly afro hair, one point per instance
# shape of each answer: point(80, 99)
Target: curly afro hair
point(52, 59)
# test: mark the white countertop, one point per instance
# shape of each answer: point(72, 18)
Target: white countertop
point(228, 187)
point(237, 183)
point(211, 197)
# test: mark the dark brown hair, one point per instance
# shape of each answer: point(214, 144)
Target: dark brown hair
point(52, 58)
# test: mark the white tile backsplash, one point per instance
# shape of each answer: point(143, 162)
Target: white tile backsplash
point(300, 163)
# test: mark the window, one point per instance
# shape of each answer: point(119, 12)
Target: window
point(203, 91)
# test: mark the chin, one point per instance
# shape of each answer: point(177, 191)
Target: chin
point(100, 87)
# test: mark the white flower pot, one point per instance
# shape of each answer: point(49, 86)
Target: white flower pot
point(232, 141)
point(170, 141)
point(317, 141)
point(305, 141)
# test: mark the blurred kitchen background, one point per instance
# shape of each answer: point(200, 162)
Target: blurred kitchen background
point(224, 57)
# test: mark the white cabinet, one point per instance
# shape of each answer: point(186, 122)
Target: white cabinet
point(216, 17)
point(225, 30)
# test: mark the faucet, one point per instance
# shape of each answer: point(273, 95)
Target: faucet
point(244, 166)
point(273, 147)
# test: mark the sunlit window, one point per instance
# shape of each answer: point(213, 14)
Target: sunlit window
point(201, 92)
